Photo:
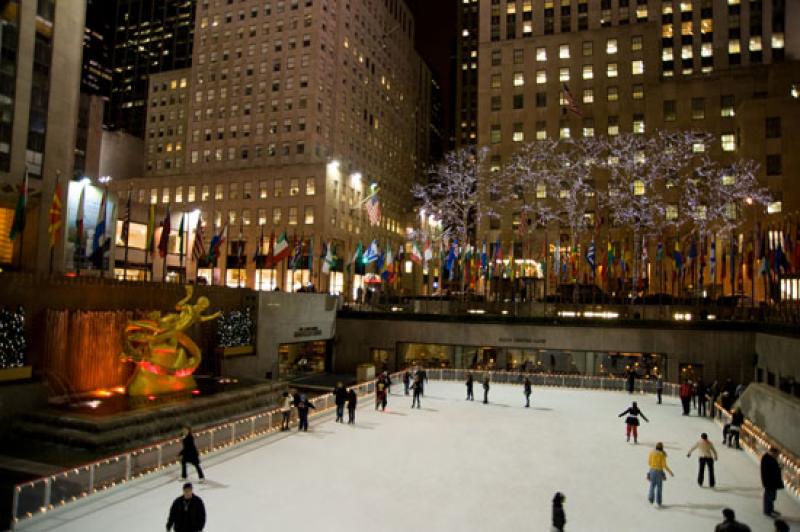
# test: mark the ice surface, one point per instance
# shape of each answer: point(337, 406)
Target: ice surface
point(452, 466)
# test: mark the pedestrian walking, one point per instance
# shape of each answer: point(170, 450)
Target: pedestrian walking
point(657, 461)
point(735, 429)
point(416, 389)
point(303, 405)
point(486, 390)
point(708, 454)
point(632, 421)
point(781, 526)
point(352, 401)
point(559, 517)
point(406, 381)
point(380, 394)
point(470, 383)
point(771, 480)
point(187, 513)
point(700, 392)
point(659, 388)
point(730, 524)
point(527, 388)
point(190, 455)
point(286, 410)
point(340, 398)
point(685, 393)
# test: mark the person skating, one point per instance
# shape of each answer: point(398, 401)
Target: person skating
point(380, 394)
point(685, 393)
point(708, 454)
point(735, 429)
point(659, 388)
point(189, 455)
point(340, 398)
point(352, 401)
point(781, 526)
point(527, 388)
point(713, 395)
point(771, 480)
point(730, 524)
point(187, 513)
point(657, 461)
point(423, 380)
point(630, 383)
point(632, 421)
point(700, 392)
point(303, 404)
point(470, 384)
point(416, 389)
point(286, 410)
point(486, 390)
point(387, 381)
point(559, 518)
point(406, 381)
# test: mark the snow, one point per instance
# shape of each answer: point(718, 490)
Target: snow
point(452, 466)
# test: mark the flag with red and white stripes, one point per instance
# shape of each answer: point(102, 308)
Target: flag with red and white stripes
point(199, 247)
point(570, 103)
point(374, 209)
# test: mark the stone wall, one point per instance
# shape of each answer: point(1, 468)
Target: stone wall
point(776, 413)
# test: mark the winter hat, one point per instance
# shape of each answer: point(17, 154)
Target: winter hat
point(187, 486)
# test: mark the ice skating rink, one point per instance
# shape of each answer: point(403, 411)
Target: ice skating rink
point(453, 466)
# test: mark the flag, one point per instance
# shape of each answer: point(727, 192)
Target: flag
point(372, 254)
point(79, 236)
point(427, 252)
point(374, 209)
point(416, 253)
point(259, 246)
point(677, 257)
point(151, 229)
point(660, 251)
point(569, 101)
point(56, 215)
point(181, 236)
point(297, 253)
point(281, 249)
point(590, 256)
point(713, 260)
point(18, 225)
point(126, 220)
point(100, 224)
point(451, 258)
point(199, 247)
point(645, 258)
point(358, 255)
point(311, 255)
point(330, 259)
point(216, 243)
point(163, 241)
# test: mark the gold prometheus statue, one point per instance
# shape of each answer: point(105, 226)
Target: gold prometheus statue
point(164, 355)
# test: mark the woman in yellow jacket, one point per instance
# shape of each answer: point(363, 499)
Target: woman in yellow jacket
point(657, 473)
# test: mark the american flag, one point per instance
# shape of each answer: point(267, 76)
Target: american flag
point(199, 248)
point(374, 209)
point(569, 101)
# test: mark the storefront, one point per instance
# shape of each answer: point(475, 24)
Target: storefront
point(303, 359)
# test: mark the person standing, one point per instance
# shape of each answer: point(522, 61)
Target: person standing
point(187, 513)
point(700, 392)
point(713, 394)
point(416, 389)
point(470, 383)
point(352, 401)
point(708, 454)
point(423, 380)
point(190, 455)
point(659, 387)
point(380, 394)
point(406, 381)
point(632, 421)
point(730, 524)
point(286, 410)
point(340, 398)
point(559, 517)
point(771, 480)
point(486, 390)
point(735, 429)
point(527, 388)
point(685, 393)
point(630, 383)
point(657, 461)
point(303, 404)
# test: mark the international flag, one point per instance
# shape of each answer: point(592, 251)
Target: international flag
point(372, 254)
point(387, 271)
point(215, 245)
point(259, 247)
point(452, 256)
point(100, 224)
point(329, 262)
point(427, 252)
point(570, 104)
point(18, 225)
point(660, 252)
point(374, 209)
point(151, 229)
point(56, 216)
point(163, 241)
point(311, 255)
point(79, 231)
point(181, 237)
point(713, 259)
point(126, 220)
point(358, 254)
point(677, 257)
point(590, 256)
point(199, 247)
point(281, 249)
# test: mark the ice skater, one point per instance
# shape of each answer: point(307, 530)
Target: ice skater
point(406, 381)
point(340, 398)
point(423, 379)
point(657, 461)
point(286, 410)
point(659, 388)
point(685, 393)
point(187, 513)
point(416, 389)
point(470, 384)
point(708, 454)
point(730, 524)
point(781, 526)
point(632, 421)
point(302, 405)
point(735, 428)
point(380, 395)
point(771, 480)
point(630, 383)
point(486, 390)
point(189, 455)
point(527, 388)
point(559, 517)
point(352, 401)
point(700, 391)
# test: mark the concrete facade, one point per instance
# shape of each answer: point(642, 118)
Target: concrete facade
point(775, 413)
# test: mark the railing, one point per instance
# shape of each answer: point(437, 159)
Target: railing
point(756, 442)
point(47, 493)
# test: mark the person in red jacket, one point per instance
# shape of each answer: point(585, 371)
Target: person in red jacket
point(685, 393)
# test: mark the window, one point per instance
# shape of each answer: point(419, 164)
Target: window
point(588, 95)
point(698, 108)
point(611, 46)
point(541, 99)
point(672, 212)
point(190, 193)
point(292, 216)
point(564, 131)
point(638, 123)
point(774, 207)
point(638, 92)
point(637, 67)
point(495, 135)
point(178, 194)
point(519, 101)
point(205, 193)
point(262, 190)
point(773, 127)
point(165, 195)
point(613, 125)
point(311, 186)
point(726, 104)
point(294, 187)
point(276, 216)
point(308, 215)
point(233, 191)
point(588, 72)
point(728, 141)
point(153, 196)
point(519, 79)
point(611, 70)
point(231, 217)
point(588, 127)
point(563, 74)
point(670, 111)
point(636, 43)
point(246, 217)
point(586, 48)
point(563, 51)
point(496, 103)
point(497, 57)
point(541, 130)
point(219, 192)
point(638, 187)
point(519, 56)
point(519, 134)
point(541, 77)
point(612, 93)
point(541, 54)
point(496, 81)
point(277, 188)
point(774, 166)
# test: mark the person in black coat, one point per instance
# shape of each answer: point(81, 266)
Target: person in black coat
point(735, 429)
point(559, 517)
point(189, 455)
point(187, 513)
point(486, 390)
point(470, 383)
point(406, 381)
point(730, 524)
point(632, 421)
point(416, 389)
point(340, 398)
point(771, 480)
point(527, 388)
point(630, 383)
point(423, 380)
point(700, 391)
point(352, 401)
point(302, 405)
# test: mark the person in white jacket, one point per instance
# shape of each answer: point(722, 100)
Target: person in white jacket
point(286, 410)
point(707, 454)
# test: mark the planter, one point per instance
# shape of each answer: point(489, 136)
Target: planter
point(16, 374)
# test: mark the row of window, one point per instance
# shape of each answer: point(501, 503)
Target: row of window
point(587, 73)
point(297, 186)
point(564, 52)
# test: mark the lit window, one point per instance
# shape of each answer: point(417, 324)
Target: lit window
point(774, 207)
point(637, 66)
point(686, 28)
point(527, 28)
point(611, 70)
point(563, 51)
point(666, 31)
point(755, 43)
point(292, 216)
point(611, 46)
point(734, 46)
point(638, 92)
point(667, 54)
point(686, 51)
point(588, 72)
point(728, 141)
point(638, 188)
point(190, 193)
point(613, 125)
point(541, 191)
point(495, 135)
point(564, 132)
point(541, 54)
point(541, 131)
point(496, 81)
point(511, 8)
point(309, 215)
point(587, 48)
point(588, 127)
point(612, 93)
point(641, 12)
point(563, 74)
point(519, 79)
point(706, 50)
point(672, 212)
point(727, 103)
point(588, 95)
point(519, 134)
point(706, 25)
point(777, 40)
point(636, 43)
point(728, 180)
point(638, 125)
point(686, 6)
point(698, 147)
point(541, 77)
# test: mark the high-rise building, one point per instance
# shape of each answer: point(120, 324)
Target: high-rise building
point(150, 36)
point(292, 114)
point(466, 73)
point(40, 77)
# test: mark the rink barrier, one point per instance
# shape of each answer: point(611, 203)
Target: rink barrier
point(756, 442)
point(49, 493)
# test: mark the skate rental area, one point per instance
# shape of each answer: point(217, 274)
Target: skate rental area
point(454, 465)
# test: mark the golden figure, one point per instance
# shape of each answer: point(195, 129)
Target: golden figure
point(164, 355)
